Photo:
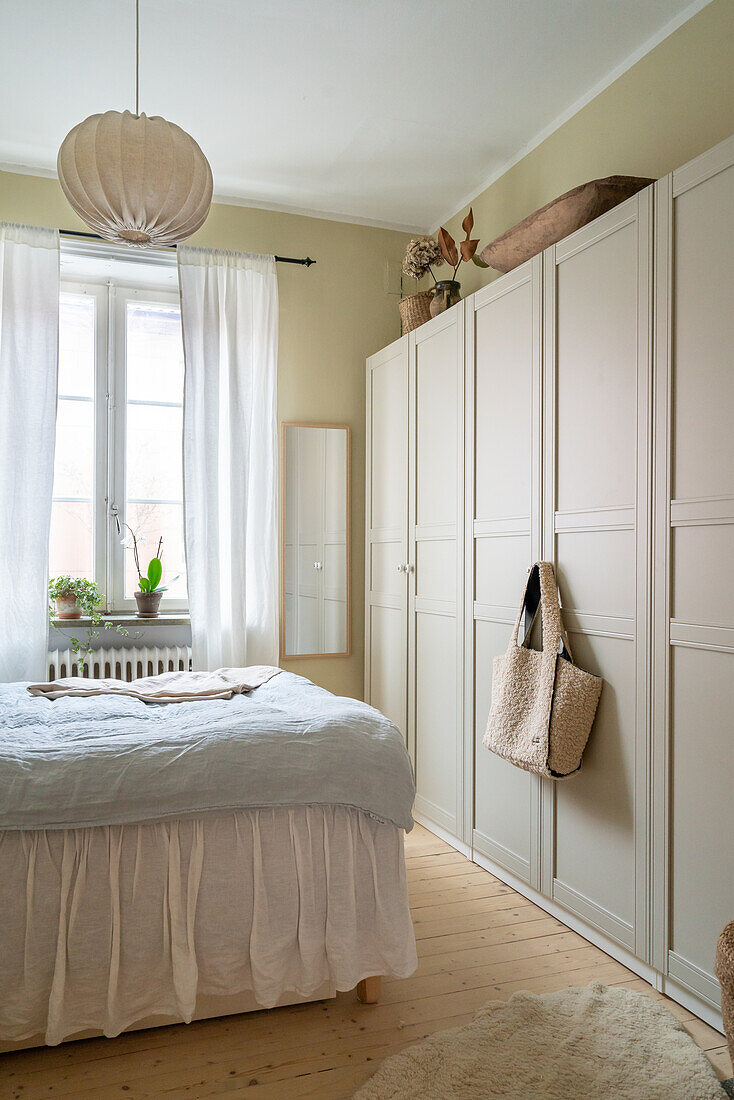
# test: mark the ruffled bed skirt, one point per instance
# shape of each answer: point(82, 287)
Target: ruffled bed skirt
point(106, 926)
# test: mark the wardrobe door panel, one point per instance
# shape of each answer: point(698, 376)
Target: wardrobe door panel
point(702, 841)
point(504, 396)
point(703, 242)
point(596, 571)
point(435, 572)
point(595, 811)
point(383, 569)
point(596, 342)
point(436, 427)
point(503, 809)
point(386, 606)
point(503, 474)
point(387, 660)
point(694, 545)
point(435, 560)
point(699, 590)
point(502, 570)
point(598, 338)
point(435, 718)
point(388, 379)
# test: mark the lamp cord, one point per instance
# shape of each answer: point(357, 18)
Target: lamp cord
point(137, 57)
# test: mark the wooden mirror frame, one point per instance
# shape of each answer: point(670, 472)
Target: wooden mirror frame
point(347, 652)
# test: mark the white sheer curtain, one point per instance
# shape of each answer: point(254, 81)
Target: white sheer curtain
point(229, 312)
point(29, 340)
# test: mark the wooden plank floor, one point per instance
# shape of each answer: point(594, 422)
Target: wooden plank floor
point(477, 940)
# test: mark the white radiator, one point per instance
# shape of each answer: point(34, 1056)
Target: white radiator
point(120, 664)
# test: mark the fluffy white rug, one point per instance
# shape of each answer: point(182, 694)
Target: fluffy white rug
point(590, 1042)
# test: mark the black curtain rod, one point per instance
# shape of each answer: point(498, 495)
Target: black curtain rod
point(96, 237)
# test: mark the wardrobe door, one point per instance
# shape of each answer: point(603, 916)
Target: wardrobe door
point(503, 539)
point(386, 645)
point(435, 562)
point(694, 594)
point(596, 517)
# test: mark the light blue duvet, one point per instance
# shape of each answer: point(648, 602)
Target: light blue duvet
point(106, 760)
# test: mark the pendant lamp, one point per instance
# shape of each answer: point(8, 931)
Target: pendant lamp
point(133, 179)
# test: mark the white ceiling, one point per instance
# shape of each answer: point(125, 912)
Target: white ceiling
point(387, 111)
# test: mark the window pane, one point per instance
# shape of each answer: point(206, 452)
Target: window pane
point(154, 453)
point(74, 459)
point(153, 464)
point(155, 367)
point(72, 539)
point(76, 345)
point(150, 521)
point(71, 549)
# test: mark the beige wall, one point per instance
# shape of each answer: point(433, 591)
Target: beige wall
point(332, 316)
point(675, 103)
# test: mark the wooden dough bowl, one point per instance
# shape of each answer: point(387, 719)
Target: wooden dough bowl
point(558, 218)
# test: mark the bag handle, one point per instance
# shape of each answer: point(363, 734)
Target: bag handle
point(541, 592)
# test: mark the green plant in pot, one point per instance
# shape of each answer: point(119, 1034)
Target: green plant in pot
point(73, 597)
point(150, 589)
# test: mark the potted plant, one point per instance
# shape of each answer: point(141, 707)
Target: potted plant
point(447, 292)
point(148, 596)
point(72, 598)
point(421, 256)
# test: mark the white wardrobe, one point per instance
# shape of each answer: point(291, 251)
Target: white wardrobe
point(414, 560)
point(581, 410)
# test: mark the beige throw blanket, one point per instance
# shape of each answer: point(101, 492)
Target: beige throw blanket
point(169, 687)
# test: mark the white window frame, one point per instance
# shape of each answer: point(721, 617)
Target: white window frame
point(119, 297)
point(99, 481)
point(110, 404)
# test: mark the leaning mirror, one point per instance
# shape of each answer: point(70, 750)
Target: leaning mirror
point(314, 604)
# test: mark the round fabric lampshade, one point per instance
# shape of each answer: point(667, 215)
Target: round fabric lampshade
point(139, 180)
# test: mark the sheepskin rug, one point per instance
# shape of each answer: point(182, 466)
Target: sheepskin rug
point(588, 1043)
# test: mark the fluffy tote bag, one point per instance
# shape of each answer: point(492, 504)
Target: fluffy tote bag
point(543, 705)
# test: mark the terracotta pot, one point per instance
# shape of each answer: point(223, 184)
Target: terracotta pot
point(67, 607)
point(446, 293)
point(148, 603)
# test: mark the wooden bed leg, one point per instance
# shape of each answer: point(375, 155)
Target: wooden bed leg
point(369, 990)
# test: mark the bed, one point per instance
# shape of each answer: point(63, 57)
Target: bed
point(165, 863)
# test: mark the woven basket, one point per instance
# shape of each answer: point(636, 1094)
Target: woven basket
point(724, 969)
point(415, 310)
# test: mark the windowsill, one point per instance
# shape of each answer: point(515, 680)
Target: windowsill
point(126, 619)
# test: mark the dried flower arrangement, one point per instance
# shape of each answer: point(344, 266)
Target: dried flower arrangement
point(421, 255)
point(466, 249)
point(425, 253)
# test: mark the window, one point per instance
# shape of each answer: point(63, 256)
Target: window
point(118, 439)
point(72, 511)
